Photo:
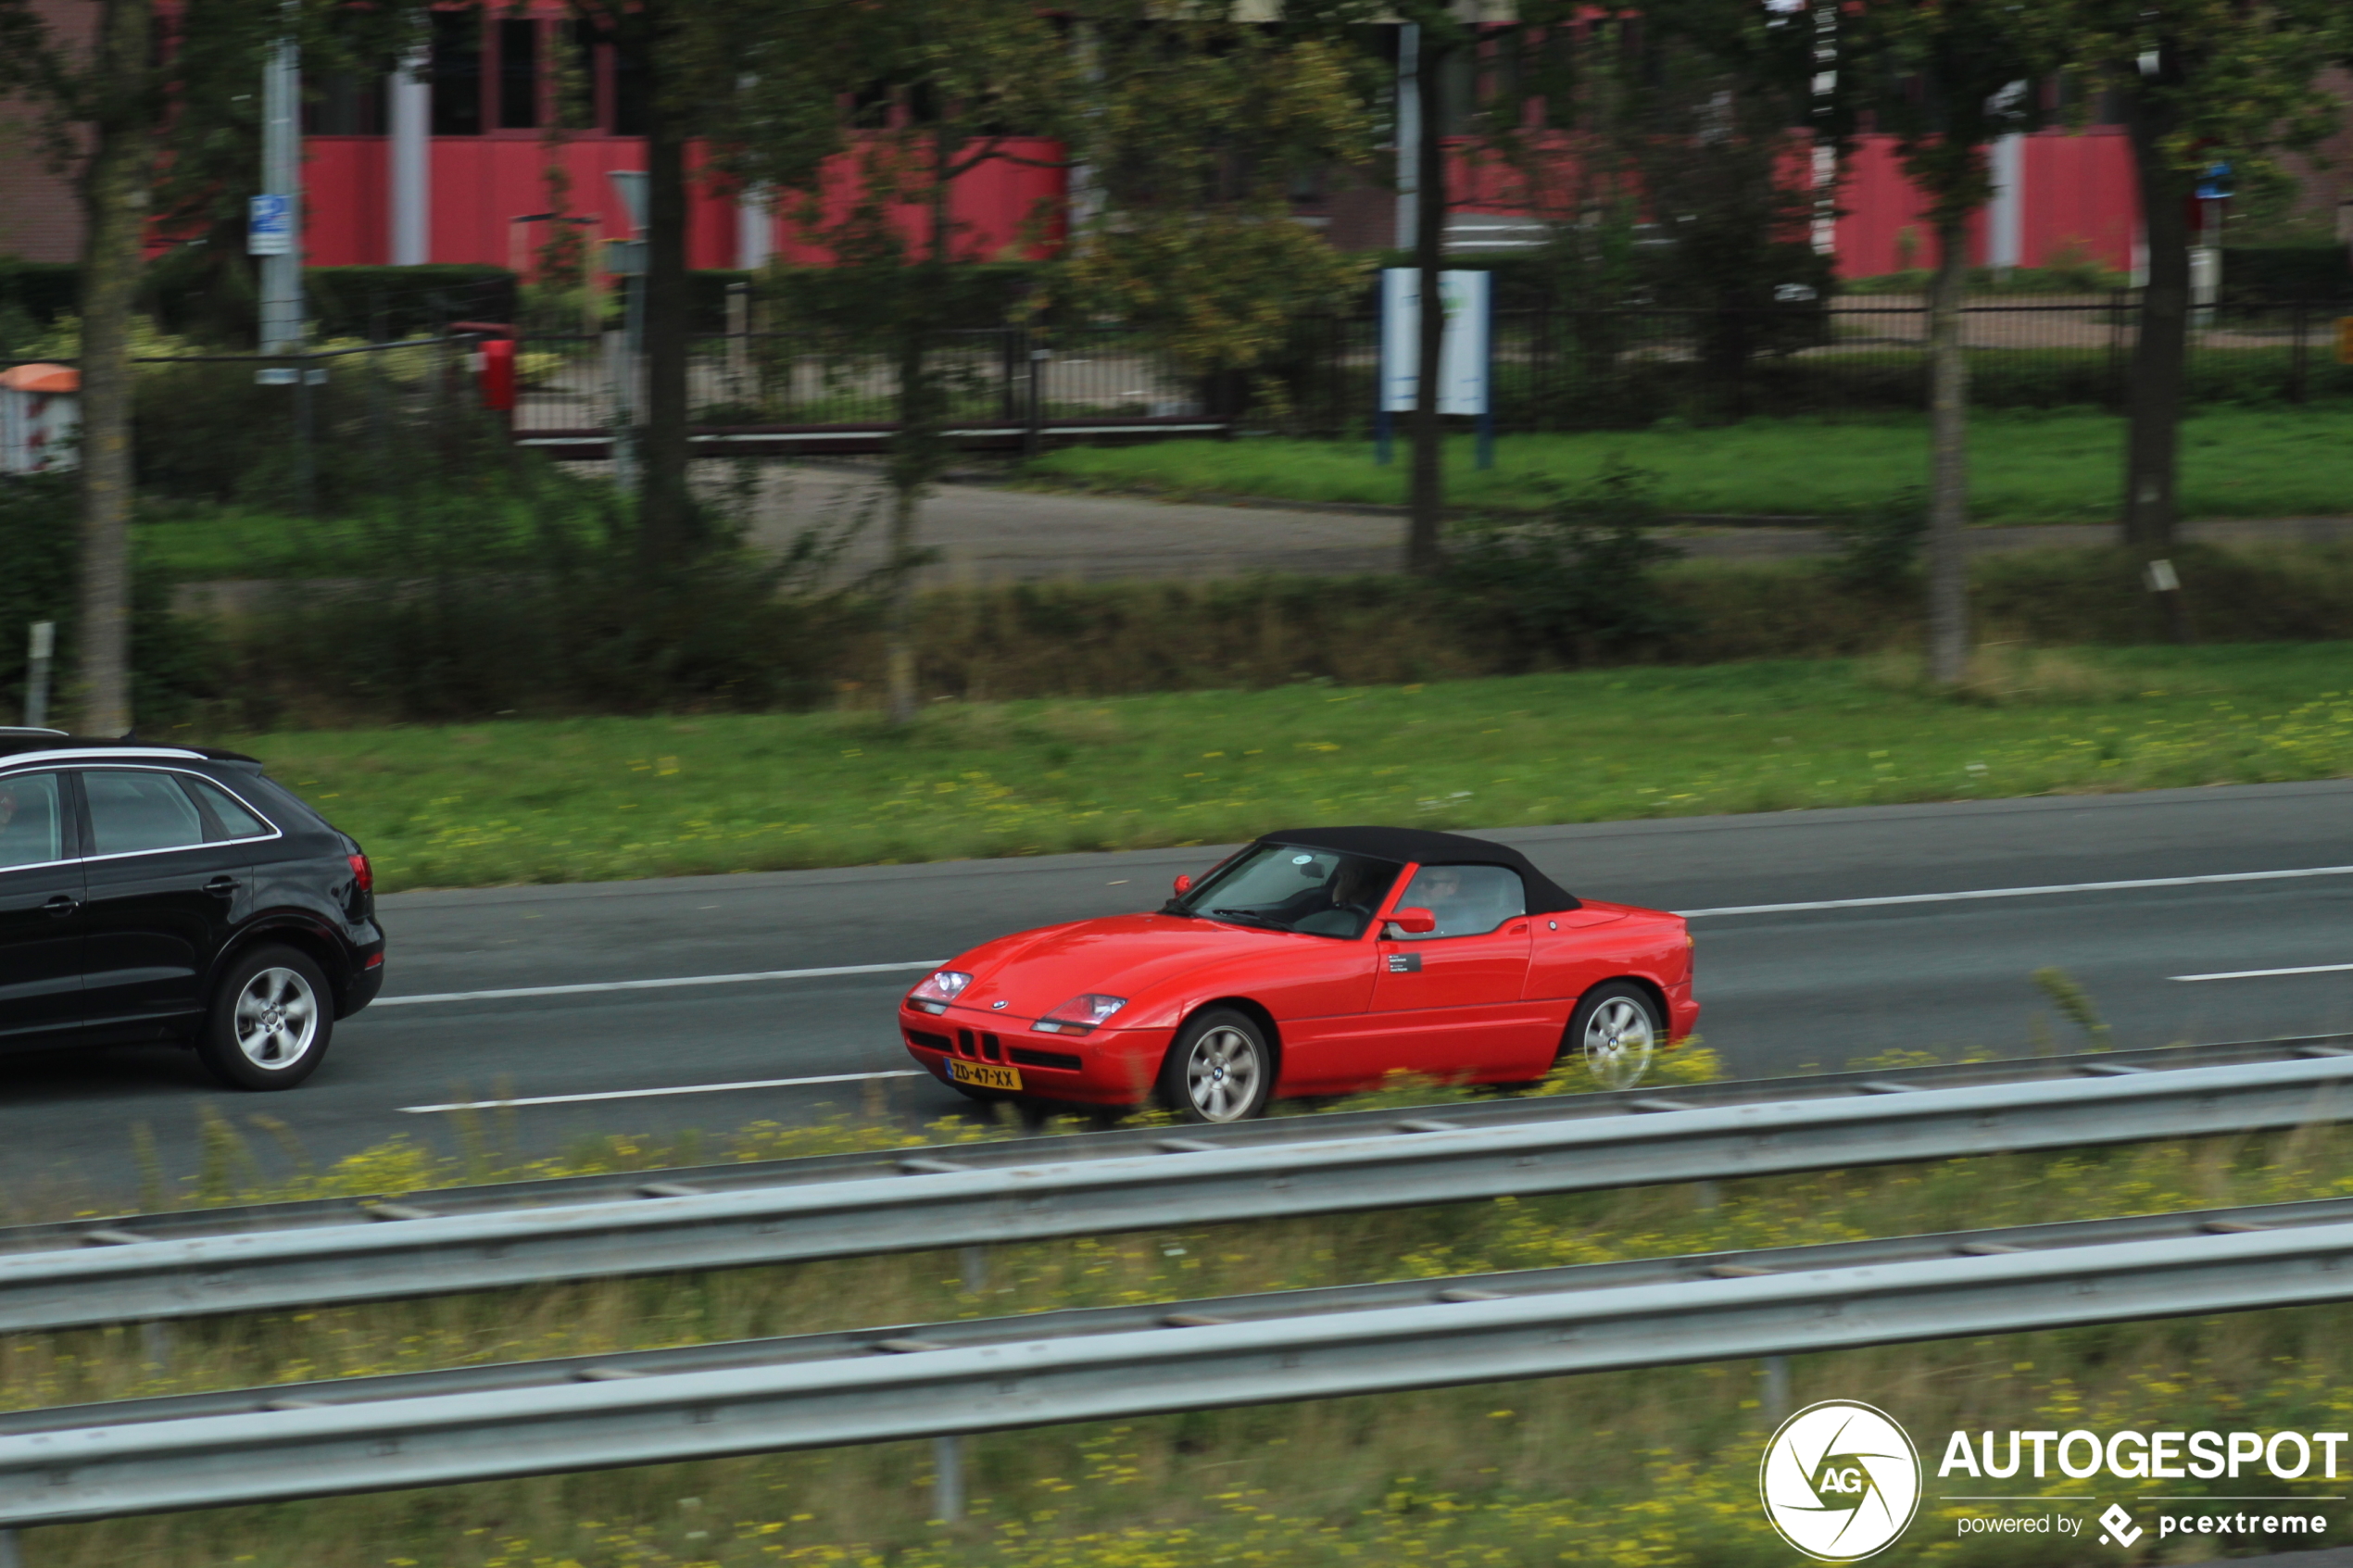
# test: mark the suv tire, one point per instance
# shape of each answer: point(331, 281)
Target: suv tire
point(270, 1020)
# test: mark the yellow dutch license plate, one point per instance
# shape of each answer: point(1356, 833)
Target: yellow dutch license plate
point(980, 1076)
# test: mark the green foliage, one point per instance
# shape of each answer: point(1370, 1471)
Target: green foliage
point(547, 608)
point(33, 294)
point(589, 798)
point(191, 298)
point(974, 293)
point(1199, 132)
point(2086, 276)
point(174, 662)
point(408, 301)
point(1882, 542)
point(2030, 466)
point(2302, 273)
point(1576, 585)
point(207, 431)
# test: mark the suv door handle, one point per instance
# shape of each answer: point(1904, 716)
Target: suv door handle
point(61, 905)
point(223, 887)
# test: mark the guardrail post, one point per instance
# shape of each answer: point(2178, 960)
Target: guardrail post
point(9, 1556)
point(947, 1482)
point(975, 1262)
point(1775, 1372)
point(154, 1342)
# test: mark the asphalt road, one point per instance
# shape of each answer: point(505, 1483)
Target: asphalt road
point(1785, 990)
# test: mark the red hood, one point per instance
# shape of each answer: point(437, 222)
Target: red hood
point(1033, 971)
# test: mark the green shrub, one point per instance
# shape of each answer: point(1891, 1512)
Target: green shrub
point(406, 301)
point(33, 296)
point(1577, 585)
point(522, 590)
point(1881, 545)
point(2306, 273)
point(174, 662)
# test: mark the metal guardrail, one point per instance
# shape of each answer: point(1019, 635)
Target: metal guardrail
point(317, 1254)
point(824, 1390)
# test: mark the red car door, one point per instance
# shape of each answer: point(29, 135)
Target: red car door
point(1453, 1003)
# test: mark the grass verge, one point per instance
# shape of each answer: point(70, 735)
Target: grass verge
point(2026, 466)
point(597, 799)
point(1653, 1468)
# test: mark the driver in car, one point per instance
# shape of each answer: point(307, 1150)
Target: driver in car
point(1438, 889)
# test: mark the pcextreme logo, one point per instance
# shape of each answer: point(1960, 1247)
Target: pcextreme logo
point(1839, 1481)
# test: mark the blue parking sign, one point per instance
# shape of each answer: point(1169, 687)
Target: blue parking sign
point(269, 226)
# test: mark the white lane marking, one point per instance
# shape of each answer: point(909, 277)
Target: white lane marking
point(2017, 892)
point(1881, 902)
point(649, 1094)
point(2267, 973)
point(656, 985)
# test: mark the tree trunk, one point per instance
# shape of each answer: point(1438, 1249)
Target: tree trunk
point(2160, 353)
point(1948, 644)
point(1429, 495)
point(114, 198)
point(916, 462)
point(664, 515)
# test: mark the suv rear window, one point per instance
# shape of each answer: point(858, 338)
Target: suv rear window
point(226, 817)
point(130, 812)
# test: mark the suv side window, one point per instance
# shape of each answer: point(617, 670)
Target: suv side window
point(224, 818)
point(133, 811)
point(1468, 900)
point(31, 819)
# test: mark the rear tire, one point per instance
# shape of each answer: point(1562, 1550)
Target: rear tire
point(1615, 1031)
point(1221, 1069)
point(269, 1022)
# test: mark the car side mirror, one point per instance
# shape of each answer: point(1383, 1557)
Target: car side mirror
point(1414, 922)
point(1184, 885)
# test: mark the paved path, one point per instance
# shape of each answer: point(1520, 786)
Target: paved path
point(990, 534)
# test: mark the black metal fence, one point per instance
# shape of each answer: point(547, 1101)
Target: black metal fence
point(1555, 369)
point(309, 432)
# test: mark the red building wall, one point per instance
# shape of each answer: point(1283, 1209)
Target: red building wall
point(2078, 202)
point(480, 185)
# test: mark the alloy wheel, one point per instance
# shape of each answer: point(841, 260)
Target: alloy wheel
point(1222, 1073)
point(277, 1019)
point(1618, 1040)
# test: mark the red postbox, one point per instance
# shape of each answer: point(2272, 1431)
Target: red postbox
point(497, 374)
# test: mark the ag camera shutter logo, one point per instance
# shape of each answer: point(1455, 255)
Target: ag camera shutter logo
point(1839, 1481)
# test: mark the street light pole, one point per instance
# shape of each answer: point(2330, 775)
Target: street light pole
point(282, 309)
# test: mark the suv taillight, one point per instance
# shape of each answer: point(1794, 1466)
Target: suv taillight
point(363, 878)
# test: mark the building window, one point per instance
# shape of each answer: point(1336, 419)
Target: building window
point(346, 103)
point(519, 75)
point(456, 72)
point(629, 87)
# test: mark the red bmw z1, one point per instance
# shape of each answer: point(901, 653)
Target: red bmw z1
point(1314, 961)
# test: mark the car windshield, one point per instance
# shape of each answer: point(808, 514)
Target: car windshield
point(1284, 887)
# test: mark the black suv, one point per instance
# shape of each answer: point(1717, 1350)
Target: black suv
point(173, 893)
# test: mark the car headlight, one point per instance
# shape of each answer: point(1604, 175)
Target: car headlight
point(1080, 1015)
point(936, 993)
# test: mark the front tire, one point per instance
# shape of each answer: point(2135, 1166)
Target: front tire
point(1222, 1069)
point(271, 1019)
point(1615, 1031)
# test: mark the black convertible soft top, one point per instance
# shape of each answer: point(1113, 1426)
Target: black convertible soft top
point(1422, 846)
